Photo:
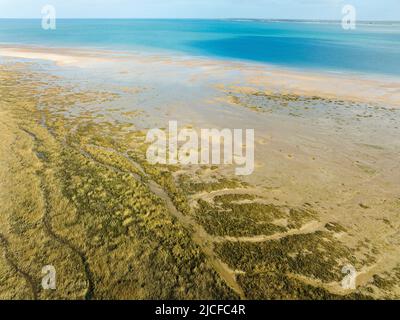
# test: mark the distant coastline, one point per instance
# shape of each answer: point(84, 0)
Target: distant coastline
point(217, 19)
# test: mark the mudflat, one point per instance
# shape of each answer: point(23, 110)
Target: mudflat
point(78, 193)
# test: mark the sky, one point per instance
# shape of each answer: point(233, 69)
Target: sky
point(268, 9)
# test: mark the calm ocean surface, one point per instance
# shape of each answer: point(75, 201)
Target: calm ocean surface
point(370, 49)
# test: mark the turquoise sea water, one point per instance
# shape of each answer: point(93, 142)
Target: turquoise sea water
point(370, 49)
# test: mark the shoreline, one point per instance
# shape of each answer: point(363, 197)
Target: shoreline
point(381, 89)
point(33, 51)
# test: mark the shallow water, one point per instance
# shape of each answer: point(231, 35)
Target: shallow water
point(370, 49)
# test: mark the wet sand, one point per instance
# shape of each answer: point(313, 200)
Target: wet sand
point(346, 86)
point(325, 140)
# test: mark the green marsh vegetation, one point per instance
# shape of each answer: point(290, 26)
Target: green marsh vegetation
point(84, 211)
point(303, 106)
point(239, 215)
point(77, 192)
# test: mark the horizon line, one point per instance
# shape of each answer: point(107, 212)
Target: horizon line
point(188, 18)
